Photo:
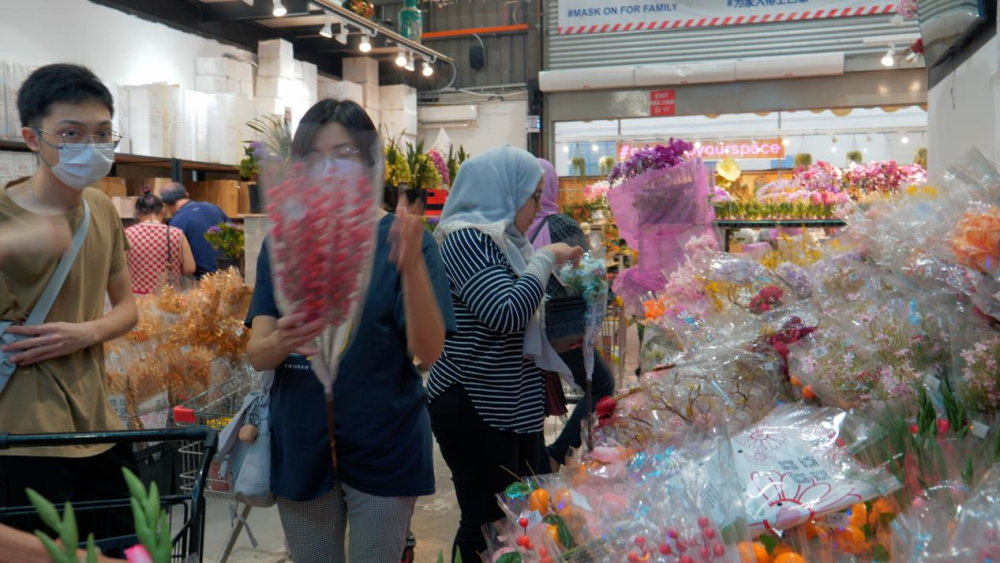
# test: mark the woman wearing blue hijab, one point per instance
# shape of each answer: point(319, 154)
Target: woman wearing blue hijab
point(487, 395)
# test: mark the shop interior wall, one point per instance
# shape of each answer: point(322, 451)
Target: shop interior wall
point(500, 123)
point(120, 48)
point(512, 57)
point(964, 110)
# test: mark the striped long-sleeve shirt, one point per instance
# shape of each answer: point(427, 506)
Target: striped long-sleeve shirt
point(486, 355)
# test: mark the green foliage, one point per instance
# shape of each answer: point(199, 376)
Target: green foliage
point(579, 164)
point(458, 557)
point(249, 167)
point(855, 156)
point(565, 537)
point(769, 542)
point(397, 168)
point(803, 160)
point(455, 161)
point(276, 136)
point(425, 174)
point(227, 238)
point(152, 525)
point(64, 527)
point(921, 157)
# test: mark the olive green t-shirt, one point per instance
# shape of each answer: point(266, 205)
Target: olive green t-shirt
point(65, 394)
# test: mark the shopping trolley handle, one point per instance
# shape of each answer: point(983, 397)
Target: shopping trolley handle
point(189, 433)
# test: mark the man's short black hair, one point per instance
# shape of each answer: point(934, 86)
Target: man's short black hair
point(59, 83)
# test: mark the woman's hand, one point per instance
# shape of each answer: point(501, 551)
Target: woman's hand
point(564, 252)
point(293, 335)
point(407, 240)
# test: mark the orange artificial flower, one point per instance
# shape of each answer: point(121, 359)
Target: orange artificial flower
point(976, 241)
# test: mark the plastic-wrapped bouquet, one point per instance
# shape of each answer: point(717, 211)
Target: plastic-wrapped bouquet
point(324, 216)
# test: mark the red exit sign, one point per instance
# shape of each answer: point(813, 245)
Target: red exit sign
point(662, 102)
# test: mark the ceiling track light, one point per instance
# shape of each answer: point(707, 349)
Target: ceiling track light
point(327, 30)
point(401, 59)
point(279, 9)
point(366, 44)
point(342, 35)
point(410, 65)
point(427, 70)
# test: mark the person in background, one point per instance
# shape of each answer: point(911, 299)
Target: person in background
point(487, 395)
point(550, 226)
point(194, 218)
point(59, 385)
point(158, 254)
point(384, 448)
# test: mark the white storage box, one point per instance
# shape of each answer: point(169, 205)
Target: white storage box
point(211, 84)
point(361, 70)
point(276, 67)
point(278, 87)
point(275, 49)
point(398, 97)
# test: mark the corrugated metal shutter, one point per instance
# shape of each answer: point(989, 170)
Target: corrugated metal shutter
point(714, 43)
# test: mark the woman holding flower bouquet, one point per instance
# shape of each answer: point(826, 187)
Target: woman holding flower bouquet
point(551, 226)
point(487, 394)
point(384, 448)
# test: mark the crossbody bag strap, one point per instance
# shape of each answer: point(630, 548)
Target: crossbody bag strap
point(41, 310)
point(539, 230)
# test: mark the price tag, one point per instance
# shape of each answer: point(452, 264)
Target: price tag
point(980, 430)
point(838, 520)
point(153, 412)
point(142, 356)
point(239, 331)
point(120, 404)
point(769, 366)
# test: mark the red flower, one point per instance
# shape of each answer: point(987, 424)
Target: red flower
point(918, 46)
point(606, 410)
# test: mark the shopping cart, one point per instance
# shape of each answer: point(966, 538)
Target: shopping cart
point(611, 345)
point(215, 408)
point(189, 507)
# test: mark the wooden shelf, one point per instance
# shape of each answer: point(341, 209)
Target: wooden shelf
point(161, 162)
point(772, 223)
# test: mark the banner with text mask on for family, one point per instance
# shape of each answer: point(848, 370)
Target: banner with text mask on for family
point(604, 16)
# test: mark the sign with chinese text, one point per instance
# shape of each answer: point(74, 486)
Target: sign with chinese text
point(608, 16)
point(765, 149)
point(662, 102)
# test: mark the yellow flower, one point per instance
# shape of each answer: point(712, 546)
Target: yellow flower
point(728, 169)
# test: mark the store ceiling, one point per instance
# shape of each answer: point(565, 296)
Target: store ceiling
point(243, 23)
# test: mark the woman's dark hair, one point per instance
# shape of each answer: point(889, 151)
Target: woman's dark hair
point(148, 204)
point(345, 112)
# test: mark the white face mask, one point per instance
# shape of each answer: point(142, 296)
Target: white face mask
point(80, 167)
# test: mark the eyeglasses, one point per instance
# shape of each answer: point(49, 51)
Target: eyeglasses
point(537, 198)
point(76, 140)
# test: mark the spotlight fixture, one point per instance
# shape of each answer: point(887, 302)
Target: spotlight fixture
point(401, 59)
point(410, 66)
point(697, 144)
point(833, 148)
point(594, 147)
point(428, 70)
point(342, 36)
point(905, 139)
point(327, 30)
point(786, 141)
point(366, 44)
point(864, 149)
point(835, 139)
point(889, 60)
point(279, 9)
point(565, 148)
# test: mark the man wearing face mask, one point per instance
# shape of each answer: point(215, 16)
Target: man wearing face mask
point(58, 380)
point(195, 218)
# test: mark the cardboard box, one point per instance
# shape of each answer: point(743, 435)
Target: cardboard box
point(121, 118)
point(234, 87)
point(361, 70)
point(214, 66)
point(276, 67)
point(211, 84)
point(278, 87)
point(399, 122)
point(243, 206)
point(134, 186)
point(398, 97)
point(139, 120)
point(297, 71)
point(275, 49)
point(244, 71)
point(372, 95)
point(309, 72)
point(113, 187)
point(224, 193)
point(125, 206)
point(345, 90)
